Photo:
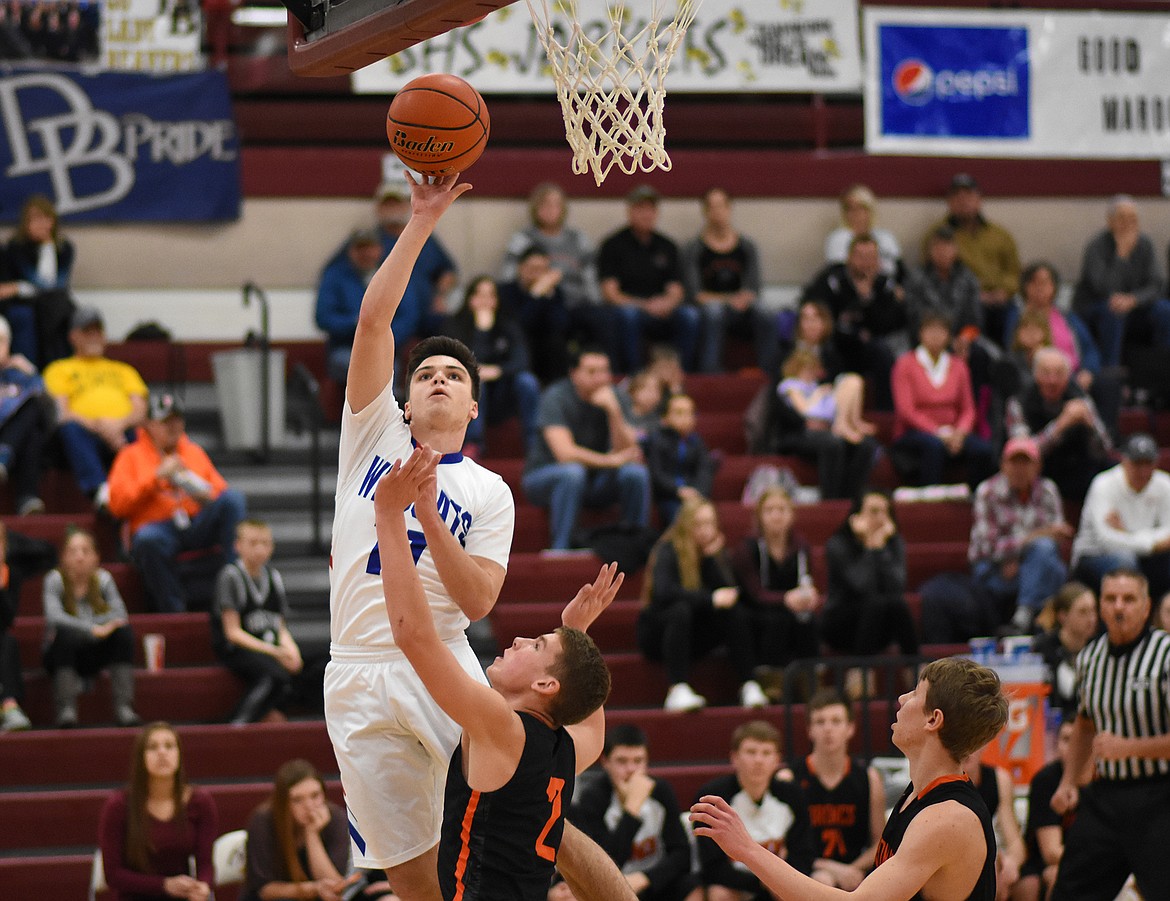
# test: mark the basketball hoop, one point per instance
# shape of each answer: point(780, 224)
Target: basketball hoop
point(612, 88)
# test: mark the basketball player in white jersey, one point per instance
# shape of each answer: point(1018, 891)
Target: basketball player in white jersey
point(392, 741)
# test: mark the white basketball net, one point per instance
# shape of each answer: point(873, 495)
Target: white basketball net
point(612, 89)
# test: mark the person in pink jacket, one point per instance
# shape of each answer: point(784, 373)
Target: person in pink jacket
point(934, 410)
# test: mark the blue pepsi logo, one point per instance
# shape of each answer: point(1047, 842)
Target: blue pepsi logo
point(914, 82)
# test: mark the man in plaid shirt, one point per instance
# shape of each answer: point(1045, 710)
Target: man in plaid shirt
point(1018, 520)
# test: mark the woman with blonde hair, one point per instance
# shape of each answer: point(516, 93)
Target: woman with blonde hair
point(858, 210)
point(298, 841)
point(150, 830)
point(87, 630)
point(1070, 621)
point(774, 575)
point(692, 605)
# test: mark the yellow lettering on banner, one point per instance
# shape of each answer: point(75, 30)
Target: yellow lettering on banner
point(130, 30)
point(117, 5)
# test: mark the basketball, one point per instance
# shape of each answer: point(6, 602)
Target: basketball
point(438, 124)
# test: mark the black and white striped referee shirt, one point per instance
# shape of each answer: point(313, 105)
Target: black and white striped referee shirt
point(1126, 691)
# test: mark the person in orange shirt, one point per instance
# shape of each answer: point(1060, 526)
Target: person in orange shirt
point(173, 500)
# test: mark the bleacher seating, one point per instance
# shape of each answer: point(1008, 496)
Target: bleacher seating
point(56, 781)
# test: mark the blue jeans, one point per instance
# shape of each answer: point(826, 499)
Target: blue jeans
point(1110, 328)
point(566, 487)
point(1042, 573)
point(681, 328)
point(155, 546)
point(721, 320)
point(931, 455)
point(88, 455)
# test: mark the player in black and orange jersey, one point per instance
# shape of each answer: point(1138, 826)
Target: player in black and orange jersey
point(938, 843)
point(846, 799)
point(524, 738)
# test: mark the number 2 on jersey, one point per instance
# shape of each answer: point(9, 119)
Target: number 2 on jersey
point(555, 787)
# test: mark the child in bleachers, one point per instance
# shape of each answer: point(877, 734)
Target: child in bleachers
point(836, 406)
point(680, 464)
point(646, 393)
point(249, 621)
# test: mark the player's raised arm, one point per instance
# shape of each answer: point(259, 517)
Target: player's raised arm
point(371, 365)
point(471, 704)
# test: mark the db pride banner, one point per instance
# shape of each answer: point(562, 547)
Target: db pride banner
point(121, 146)
point(732, 46)
point(1045, 84)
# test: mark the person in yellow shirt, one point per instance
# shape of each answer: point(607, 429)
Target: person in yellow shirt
point(98, 401)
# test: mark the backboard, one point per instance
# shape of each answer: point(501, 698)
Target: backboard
point(335, 37)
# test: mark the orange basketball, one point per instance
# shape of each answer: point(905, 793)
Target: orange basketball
point(438, 124)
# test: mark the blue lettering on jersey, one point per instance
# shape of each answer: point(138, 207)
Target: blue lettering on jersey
point(378, 468)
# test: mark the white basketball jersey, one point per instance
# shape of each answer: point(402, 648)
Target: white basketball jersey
point(475, 503)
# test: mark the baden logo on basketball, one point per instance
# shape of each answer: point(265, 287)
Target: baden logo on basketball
point(430, 145)
point(914, 82)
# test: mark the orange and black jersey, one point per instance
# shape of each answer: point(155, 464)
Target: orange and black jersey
point(945, 788)
point(839, 816)
point(502, 845)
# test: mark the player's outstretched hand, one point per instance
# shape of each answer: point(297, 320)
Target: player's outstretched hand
point(594, 597)
point(714, 818)
point(432, 197)
point(399, 487)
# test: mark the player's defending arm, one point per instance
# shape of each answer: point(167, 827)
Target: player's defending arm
point(371, 365)
point(483, 713)
point(579, 613)
point(936, 839)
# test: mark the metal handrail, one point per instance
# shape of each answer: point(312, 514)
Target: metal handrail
point(250, 290)
point(309, 415)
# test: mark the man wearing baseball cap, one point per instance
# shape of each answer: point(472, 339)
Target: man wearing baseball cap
point(1018, 522)
point(173, 500)
point(1125, 522)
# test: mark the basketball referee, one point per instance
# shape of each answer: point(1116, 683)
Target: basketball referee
point(1123, 725)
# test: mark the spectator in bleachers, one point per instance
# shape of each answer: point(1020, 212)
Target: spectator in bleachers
point(249, 626)
point(635, 819)
point(1018, 523)
point(568, 249)
point(945, 286)
point(987, 249)
point(174, 501)
point(1120, 293)
point(641, 280)
point(36, 272)
point(1053, 409)
point(98, 401)
point(298, 840)
point(586, 452)
point(87, 630)
point(151, 830)
point(507, 386)
point(934, 410)
point(1070, 620)
point(721, 273)
point(846, 798)
point(775, 580)
point(994, 785)
point(1125, 522)
point(680, 465)
point(773, 808)
point(339, 297)
point(692, 605)
point(866, 606)
point(424, 302)
point(1044, 834)
point(794, 425)
point(869, 313)
point(1039, 285)
point(23, 426)
point(12, 716)
point(813, 331)
point(858, 210)
point(535, 298)
point(647, 398)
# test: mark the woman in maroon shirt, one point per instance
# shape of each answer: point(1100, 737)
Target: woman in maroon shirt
point(150, 830)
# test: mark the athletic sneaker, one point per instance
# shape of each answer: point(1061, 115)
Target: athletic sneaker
point(752, 695)
point(682, 697)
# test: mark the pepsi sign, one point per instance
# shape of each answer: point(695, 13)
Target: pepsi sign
point(940, 81)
